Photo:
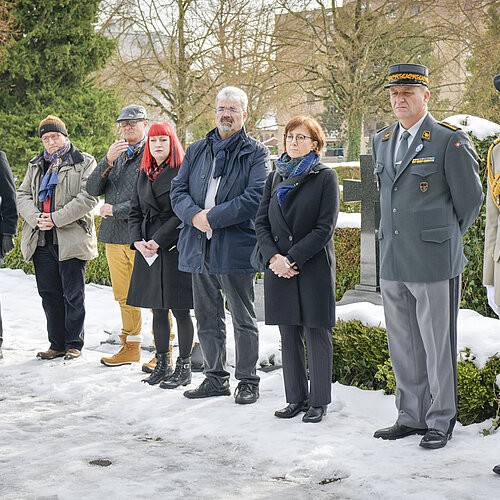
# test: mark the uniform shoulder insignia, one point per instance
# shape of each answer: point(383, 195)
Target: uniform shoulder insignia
point(383, 128)
point(450, 126)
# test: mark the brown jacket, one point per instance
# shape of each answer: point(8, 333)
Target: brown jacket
point(72, 215)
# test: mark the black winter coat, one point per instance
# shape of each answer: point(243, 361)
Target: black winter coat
point(302, 228)
point(161, 285)
point(8, 207)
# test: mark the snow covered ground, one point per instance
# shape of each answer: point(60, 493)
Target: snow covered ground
point(56, 417)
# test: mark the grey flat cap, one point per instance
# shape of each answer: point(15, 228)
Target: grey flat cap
point(132, 112)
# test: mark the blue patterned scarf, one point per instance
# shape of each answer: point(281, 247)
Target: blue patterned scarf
point(288, 167)
point(222, 149)
point(49, 181)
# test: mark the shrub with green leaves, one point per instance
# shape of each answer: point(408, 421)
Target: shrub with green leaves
point(361, 358)
point(97, 270)
point(347, 249)
point(358, 350)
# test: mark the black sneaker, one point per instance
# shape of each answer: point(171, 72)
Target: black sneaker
point(207, 389)
point(246, 393)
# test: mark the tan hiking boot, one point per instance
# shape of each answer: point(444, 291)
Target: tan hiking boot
point(150, 365)
point(128, 354)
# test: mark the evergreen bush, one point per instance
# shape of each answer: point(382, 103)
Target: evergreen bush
point(96, 271)
point(361, 358)
point(347, 249)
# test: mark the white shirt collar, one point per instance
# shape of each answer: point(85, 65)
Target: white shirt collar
point(413, 129)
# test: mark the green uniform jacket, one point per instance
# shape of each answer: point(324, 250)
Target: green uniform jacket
point(428, 205)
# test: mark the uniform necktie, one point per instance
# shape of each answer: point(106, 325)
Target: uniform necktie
point(403, 148)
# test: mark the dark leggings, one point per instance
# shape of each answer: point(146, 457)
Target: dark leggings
point(185, 330)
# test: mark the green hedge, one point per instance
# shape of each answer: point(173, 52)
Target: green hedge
point(361, 358)
point(347, 248)
point(97, 270)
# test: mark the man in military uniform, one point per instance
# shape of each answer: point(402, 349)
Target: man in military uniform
point(430, 193)
point(491, 267)
point(115, 177)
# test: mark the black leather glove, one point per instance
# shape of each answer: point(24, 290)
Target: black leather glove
point(7, 244)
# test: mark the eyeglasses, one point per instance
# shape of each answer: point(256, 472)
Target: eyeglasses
point(50, 138)
point(233, 111)
point(129, 123)
point(299, 138)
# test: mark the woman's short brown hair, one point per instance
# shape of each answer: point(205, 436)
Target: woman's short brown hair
point(313, 127)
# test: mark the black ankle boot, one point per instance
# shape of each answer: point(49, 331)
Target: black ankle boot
point(181, 375)
point(162, 371)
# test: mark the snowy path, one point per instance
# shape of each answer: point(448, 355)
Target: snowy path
point(56, 417)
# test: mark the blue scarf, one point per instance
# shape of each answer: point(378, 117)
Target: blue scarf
point(222, 149)
point(288, 167)
point(132, 149)
point(49, 181)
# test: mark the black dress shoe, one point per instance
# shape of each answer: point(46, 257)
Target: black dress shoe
point(207, 389)
point(496, 469)
point(397, 431)
point(314, 414)
point(246, 393)
point(434, 439)
point(292, 410)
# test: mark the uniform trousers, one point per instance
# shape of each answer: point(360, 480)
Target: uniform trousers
point(209, 291)
point(61, 285)
point(421, 321)
point(319, 361)
point(121, 264)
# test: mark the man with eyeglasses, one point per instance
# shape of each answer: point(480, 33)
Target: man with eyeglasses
point(216, 195)
point(114, 177)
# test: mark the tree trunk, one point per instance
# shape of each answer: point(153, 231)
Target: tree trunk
point(354, 131)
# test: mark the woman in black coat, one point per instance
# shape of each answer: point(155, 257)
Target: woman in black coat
point(294, 227)
point(156, 282)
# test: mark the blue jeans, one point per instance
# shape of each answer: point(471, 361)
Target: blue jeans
point(208, 293)
point(61, 285)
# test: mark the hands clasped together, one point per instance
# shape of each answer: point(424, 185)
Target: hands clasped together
point(278, 265)
point(147, 248)
point(44, 222)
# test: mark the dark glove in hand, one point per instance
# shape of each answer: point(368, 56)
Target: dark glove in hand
point(7, 244)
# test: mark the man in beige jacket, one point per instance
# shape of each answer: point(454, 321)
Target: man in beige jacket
point(58, 234)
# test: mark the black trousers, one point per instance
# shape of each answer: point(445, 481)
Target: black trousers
point(319, 358)
point(61, 285)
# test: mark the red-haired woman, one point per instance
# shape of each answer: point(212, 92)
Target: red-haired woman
point(156, 282)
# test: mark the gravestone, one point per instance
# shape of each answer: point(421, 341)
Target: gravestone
point(366, 192)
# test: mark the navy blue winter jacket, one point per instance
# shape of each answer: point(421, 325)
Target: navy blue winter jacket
point(233, 217)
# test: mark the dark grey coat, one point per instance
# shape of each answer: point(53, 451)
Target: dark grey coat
point(161, 285)
point(117, 186)
point(8, 207)
point(302, 228)
point(428, 205)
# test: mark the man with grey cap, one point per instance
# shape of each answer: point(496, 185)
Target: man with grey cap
point(430, 193)
point(115, 177)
